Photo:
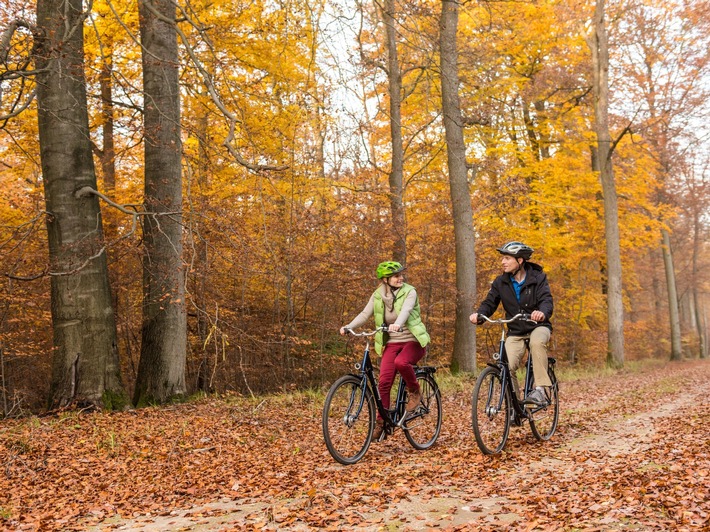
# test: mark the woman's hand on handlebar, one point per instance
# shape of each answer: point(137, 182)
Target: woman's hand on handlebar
point(348, 330)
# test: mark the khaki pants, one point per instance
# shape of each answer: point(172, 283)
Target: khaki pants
point(515, 347)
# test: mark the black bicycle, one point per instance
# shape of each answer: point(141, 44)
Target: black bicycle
point(349, 411)
point(497, 404)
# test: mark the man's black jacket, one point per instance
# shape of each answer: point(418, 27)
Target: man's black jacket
point(534, 295)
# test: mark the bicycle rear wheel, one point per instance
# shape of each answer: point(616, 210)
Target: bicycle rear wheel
point(490, 411)
point(543, 421)
point(423, 426)
point(348, 419)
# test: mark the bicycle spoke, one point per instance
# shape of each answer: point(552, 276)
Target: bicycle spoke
point(348, 420)
point(544, 419)
point(422, 427)
point(490, 412)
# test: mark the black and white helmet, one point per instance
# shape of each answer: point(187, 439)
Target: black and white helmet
point(516, 249)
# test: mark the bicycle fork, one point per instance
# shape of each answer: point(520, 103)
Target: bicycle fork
point(495, 404)
point(353, 412)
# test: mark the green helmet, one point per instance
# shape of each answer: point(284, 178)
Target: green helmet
point(388, 269)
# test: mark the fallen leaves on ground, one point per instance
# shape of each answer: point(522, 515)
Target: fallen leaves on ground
point(632, 449)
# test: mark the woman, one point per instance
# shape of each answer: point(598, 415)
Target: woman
point(395, 303)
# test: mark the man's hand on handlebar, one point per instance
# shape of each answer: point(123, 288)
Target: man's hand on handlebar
point(537, 316)
point(476, 319)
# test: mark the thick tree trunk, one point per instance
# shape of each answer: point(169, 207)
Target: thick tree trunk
point(464, 356)
point(673, 309)
point(396, 177)
point(85, 367)
point(161, 371)
point(598, 42)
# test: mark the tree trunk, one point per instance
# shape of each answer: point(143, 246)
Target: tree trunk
point(700, 326)
point(673, 310)
point(161, 371)
point(85, 365)
point(108, 153)
point(396, 177)
point(598, 42)
point(200, 266)
point(464, 356)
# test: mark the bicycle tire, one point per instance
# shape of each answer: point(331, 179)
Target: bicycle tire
point(543, 422)
point(422, 428)
point(491, 423)
point(348, 419)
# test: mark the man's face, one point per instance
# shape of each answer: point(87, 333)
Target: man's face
point(510, 264)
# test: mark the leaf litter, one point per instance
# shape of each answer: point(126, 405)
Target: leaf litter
point(631, 453)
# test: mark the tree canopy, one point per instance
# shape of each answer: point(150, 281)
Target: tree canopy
point(285, 157)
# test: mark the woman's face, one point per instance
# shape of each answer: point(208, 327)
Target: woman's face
point(396, 280)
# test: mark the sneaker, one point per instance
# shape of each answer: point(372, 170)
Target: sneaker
point(414, 399)
point(379, 428)
point(538, 397)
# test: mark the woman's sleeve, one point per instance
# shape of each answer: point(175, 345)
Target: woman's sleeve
point(366, 314)
point(407, 307)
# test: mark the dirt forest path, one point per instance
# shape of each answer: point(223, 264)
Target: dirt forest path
point(632, 452)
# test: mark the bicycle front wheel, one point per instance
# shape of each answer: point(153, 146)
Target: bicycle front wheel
point(423, 426)
point(348, 419)
point(543, 421)
point(490, 411)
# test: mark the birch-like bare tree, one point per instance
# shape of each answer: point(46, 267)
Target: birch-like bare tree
point(464, 356)
point(396, 176)
point(598, 42)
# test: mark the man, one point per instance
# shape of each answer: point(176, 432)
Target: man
point(523, 288)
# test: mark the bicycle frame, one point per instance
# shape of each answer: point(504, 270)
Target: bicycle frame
point(496, 404)
point(393, 418)
point(501, 358)
point(350, 408)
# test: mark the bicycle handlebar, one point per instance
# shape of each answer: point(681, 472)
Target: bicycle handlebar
point(381, 328)
point(520, 316)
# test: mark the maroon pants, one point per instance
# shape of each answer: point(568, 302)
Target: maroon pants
point(398, 357)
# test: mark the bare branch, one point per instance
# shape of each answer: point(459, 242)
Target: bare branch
point(6, 36)
point(233, 120)
point(17, 110)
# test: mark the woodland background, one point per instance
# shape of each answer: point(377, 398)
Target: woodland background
point(286, 158)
